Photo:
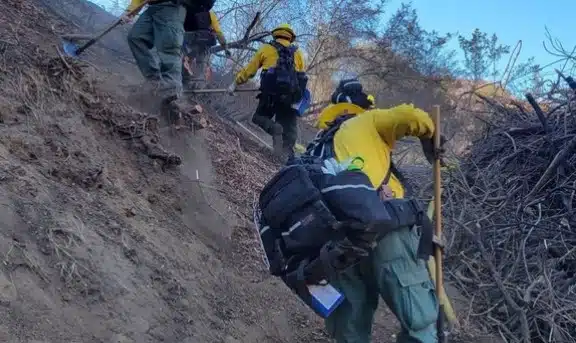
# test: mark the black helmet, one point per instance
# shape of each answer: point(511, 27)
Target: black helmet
point(351, 91)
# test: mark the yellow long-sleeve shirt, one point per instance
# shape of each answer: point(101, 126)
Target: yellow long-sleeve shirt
point(215, 25)
point(134, 4)
point(372, 135)
point(266, 57)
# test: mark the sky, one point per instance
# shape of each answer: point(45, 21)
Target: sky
point(511, 20)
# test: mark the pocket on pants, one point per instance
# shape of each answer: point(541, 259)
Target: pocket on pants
point(417, 306)
point(170, 40)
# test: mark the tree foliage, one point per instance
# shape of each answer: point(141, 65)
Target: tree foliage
point(482, 54)
point(425, 51)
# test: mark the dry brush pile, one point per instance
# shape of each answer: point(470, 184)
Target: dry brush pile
point(510, 211)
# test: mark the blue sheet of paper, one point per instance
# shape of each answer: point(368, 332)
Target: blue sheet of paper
point(304, 103)
point(325, 298)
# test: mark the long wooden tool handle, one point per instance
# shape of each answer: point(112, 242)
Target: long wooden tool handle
point(438, 223)
point(219, 90)
point(110, 28)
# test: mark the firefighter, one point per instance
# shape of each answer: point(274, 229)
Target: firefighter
point(282, 84)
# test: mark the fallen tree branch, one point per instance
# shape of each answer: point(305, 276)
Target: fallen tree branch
point(155, 151)
point(558, 159)
point(498, 279)
point(241, 44)
point(246, 40)
point(520, 259)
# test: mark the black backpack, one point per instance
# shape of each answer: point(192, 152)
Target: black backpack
point(198, 27)
point(283, 82)
point(312, 225)
point(196, 6)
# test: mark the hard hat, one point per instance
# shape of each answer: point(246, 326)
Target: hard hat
point(333, 111)
point(372, 99)
point(284, 31)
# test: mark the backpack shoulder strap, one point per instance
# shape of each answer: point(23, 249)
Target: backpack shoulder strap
point(292, 48)
point(276, 45)
point(392, 169)
point(323, 145)
point(389, 172)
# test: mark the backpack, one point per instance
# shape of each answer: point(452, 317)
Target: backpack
point(196, 6)
point(282, 82)
point(303, 214)
point(198, 27)
point(313, 225)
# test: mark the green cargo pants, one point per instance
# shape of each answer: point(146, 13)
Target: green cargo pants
point(160, 26)
point(396, 274)
point(285, 120)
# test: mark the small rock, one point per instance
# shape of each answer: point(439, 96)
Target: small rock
point(184, 302)
point(152, 198)
point(140, 325)
point(131, 254)
point(130, 212)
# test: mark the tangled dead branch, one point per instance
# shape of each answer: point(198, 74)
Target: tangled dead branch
point(510, 207)
point(66, 78)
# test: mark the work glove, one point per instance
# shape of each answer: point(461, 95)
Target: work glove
point(340, 255)
point(430, 152)
point(332, 166)
point(126, 18)
point(231, 88)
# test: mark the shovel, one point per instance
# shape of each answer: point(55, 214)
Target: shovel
point(73, 50)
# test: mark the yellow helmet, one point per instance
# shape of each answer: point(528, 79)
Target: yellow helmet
point(371, 98)
point(284, 31)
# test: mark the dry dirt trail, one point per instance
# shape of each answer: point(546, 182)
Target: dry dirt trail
point(98, 241)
